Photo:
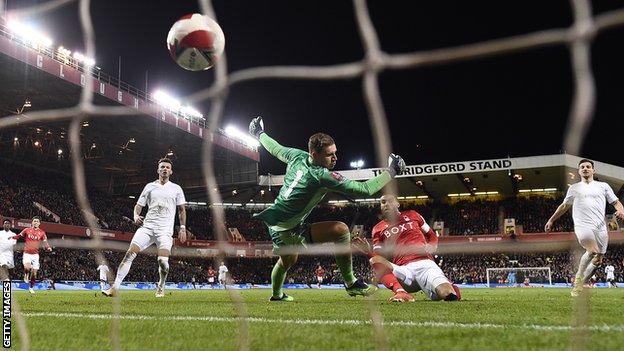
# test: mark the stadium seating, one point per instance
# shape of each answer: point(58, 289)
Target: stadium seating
point(22, 186)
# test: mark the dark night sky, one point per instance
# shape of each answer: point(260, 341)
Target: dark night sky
point(514, 105)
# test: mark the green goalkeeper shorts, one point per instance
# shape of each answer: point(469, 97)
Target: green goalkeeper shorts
point(297, 236)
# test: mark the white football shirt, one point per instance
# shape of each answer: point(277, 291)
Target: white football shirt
point(222, 270)
point(609, 270)
point(6, 243)
point(103, 271)
point(588, 202)
point(161, 201)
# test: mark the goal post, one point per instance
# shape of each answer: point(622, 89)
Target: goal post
point(502, 276)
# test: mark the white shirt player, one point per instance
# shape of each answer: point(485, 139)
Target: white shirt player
point(588, 202)
point(103, 269)
point(610, 272)
point(222, 270)
point(6, 248)
point(161, 200)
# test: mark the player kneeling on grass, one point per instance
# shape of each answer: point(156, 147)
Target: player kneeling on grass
point(405, 238)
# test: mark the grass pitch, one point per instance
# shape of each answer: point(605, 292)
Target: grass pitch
point(487, 319)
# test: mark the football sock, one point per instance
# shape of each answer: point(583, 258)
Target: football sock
point(387, 278)
point(124, 268)
point(391, 282)
point(589, 271)
point(584, 262)
point(163, 270)
point(451, 297)
point(278, 274)
point(344, 261)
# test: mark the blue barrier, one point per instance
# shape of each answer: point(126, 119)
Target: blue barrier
point(95, 286)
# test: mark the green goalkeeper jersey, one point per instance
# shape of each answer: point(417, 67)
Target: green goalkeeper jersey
point(305, 185)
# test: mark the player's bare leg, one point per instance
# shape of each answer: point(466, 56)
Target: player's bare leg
point(383, 272)
point(447, 292)
point(278, 275)
point(338, 233)
point(27, 268)
point(163, 270)
point(122, 271)
point(31, 283)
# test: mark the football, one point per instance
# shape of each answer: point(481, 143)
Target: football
point(195, 42)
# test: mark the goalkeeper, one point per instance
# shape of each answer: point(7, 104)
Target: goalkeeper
point(308, 178)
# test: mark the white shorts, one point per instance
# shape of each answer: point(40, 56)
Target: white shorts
point(610, 277)
point(221, 277)
point(6, 259)
point(32, 259)
point(319, 279)
point(599, 235)
point(144, 237)
point(210, 279)
point(103, 277)
point(422, 275)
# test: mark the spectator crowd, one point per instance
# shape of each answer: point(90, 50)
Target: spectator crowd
point(79, 264)
point(26, 191)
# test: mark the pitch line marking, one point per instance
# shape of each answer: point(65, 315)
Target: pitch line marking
point(597, 328)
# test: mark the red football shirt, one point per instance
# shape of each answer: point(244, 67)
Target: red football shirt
point(33, 237)
point(211, 273)
point(409, 234)
point(320, 272)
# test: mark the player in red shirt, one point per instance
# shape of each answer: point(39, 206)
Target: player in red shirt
point(320, 274)
point(405, 238)
point(211, 275)
point(30, 260)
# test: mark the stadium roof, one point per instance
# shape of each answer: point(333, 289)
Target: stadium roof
point(119, 152)
point(500, 177)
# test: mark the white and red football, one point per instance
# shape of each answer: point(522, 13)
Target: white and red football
point(195, 42)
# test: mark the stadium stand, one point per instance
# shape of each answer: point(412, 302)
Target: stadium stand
point(22, 187)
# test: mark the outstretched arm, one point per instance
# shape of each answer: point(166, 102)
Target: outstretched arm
point(563, 208)
point(20, 235)
point(284, 154)
point(336, 182)
point(46, 245)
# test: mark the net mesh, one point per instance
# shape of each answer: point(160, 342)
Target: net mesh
point(578, 37)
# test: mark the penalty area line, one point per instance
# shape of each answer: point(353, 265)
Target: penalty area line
point(538, 327)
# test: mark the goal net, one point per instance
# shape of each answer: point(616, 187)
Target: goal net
point(515, 276)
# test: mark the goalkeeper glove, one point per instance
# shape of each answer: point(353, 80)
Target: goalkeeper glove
point(256, 127)
point(396, 165)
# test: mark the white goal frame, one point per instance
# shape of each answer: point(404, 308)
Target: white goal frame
point(507, 269)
